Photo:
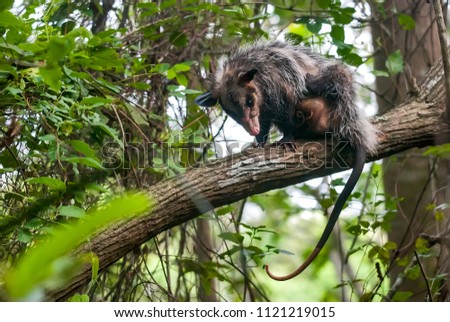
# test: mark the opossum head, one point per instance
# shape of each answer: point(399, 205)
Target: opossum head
point(238, 95)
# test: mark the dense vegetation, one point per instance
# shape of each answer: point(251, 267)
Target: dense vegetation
point(96, 99)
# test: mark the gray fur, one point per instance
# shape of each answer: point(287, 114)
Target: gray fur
point(286, 75)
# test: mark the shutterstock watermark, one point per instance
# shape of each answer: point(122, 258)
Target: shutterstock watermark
point(184, 154)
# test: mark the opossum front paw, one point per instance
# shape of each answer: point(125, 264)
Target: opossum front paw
point(287, 144)
point(257, 145)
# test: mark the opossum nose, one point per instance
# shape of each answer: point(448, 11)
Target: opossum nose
point(254, 132)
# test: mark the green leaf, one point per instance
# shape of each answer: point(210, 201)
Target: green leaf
point(188, 91)
point(380, 73)
point(440, 150)
point(383, 254)
point(337, 33)
point(96, 101)
point(430, 206)
point(48, 138)
point(390, 245)
point(324, 4)
point(406, 21)
point(298, 30)
point(182, 80)
point(14, 90)
point(108, 85)
point(6, 4)
point(82, 147)
point(230, 251)
point(105, 58)
point(31, 48)
point(161, 68)
point(109, 131)
point(15, 48)
point(232, 237)
point(353, 59)
point(95, 262)
point(36, 268)
point(96, 187)
point(366, 297)
point(167, 4)
point(439, 215)
point(67, 27)
point(6, 68)
point(171, 73)
point(149, 8)
point(79, 298)
point(373, 251)
point(177, 91)
point(141, 86)
point(24, 236)
point(284, 251)
point(90, 162)
point(343, 16)
point(52, 76)
point(72, 211)
point(181, 67)
point(394, 63)
point(80, 32)
point(179, 39)
point(364, 224)
point(7, 19)
point(58, 47)
point(6, 170)
point(421, 245)
point(354, 230)
point(52, 183)
point(326, 203)
point(403, 261)
point(413, 273)
point(314, 26)
point(35, 223)
point(401, 296)
point(106, 34)
point(224, 210)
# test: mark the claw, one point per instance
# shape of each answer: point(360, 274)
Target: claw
point(257, 145)
point(287, 145)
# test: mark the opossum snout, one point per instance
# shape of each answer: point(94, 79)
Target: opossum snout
point(251, 129)
point(250, 120)
point(251, 124)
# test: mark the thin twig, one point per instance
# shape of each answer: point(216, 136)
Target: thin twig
point(422, 271)
point(444, 50)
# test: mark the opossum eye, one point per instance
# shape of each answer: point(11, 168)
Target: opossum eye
point(249, 102)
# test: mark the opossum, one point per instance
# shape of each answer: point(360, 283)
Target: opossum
point(301, 93)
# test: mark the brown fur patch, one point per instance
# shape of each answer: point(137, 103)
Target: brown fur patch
point(311, 118)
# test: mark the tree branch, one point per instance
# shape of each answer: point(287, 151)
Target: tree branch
point(415, 123)
point(437, 4)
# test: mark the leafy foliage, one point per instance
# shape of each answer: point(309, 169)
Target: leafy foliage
point(91, 95)
point(50, 254)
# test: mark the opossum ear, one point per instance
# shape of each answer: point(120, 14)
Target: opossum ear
point(246, 77)
point(205, 99)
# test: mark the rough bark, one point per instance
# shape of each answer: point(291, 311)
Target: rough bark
point(415, 123)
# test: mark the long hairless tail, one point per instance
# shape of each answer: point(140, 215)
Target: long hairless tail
point(360, 159)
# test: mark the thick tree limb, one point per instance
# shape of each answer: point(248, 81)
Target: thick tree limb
point(440, 21)
point(415, 123)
